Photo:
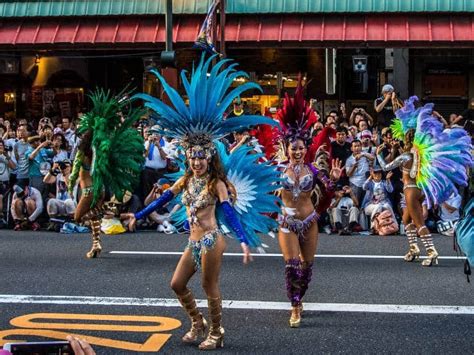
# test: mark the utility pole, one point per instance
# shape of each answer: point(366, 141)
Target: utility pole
point(222, 28)
point(168, 57)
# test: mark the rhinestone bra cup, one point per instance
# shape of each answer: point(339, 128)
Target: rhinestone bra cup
point(196, 196)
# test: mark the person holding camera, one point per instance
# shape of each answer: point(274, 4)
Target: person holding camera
point(60, 147)
point(6, 165)
point(19, 151)
point(345, 204)
point(155, 160)
point(64, 204)
point(27, 206)
point(359, 114)
point(386, 106)
point(39, 156)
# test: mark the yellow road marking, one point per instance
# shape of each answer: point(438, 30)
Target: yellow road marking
point(152, 344)
point(35, 324)
point(164, 323)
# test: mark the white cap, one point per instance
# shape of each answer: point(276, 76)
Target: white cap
point(387, 88)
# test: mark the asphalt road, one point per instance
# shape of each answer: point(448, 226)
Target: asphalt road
point(346, 310)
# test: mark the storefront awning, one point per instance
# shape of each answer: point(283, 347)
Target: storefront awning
point(283, 30)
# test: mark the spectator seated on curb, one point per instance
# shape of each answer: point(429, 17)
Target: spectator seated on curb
point(344, 211)
point(448, 213)
point(27, 206)
point(62, 207)
point(119, 209)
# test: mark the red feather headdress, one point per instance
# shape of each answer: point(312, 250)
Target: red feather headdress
point(296, 117)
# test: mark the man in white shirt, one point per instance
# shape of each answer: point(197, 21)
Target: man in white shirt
point(357, 166)
point(155, 160)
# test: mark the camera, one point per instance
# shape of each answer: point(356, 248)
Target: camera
point(20, 192)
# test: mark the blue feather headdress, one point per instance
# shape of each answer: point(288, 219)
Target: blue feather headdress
point(198, 124)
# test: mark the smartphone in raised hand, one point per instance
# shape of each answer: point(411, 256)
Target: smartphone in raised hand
point(40, 348)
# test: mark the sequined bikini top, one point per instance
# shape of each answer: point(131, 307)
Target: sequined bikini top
point(196, 196)
point(305, 183)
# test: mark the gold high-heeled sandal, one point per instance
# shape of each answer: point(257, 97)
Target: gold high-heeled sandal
point(96, 247)
point(295, 319)
point(432, 257)
point(198, 323)
point(431, 251)
point(215, 338)
point(413, 254)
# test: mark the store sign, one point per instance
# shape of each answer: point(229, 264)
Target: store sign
point(57, 325)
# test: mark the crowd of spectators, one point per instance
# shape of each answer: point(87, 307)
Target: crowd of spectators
point(36, 161)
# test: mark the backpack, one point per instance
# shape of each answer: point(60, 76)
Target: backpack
point(464, 233)
point(384, 223)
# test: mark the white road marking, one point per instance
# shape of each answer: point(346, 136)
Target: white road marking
point(230, 304)
point(352, 256)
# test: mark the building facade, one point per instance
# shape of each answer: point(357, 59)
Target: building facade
point(52, 52)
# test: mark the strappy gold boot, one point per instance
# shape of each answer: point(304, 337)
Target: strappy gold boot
point(198, 323)
point(96, 247)
point(414, 252)
point(432, 253)
point(215, 337)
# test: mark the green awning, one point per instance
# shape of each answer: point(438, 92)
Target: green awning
point(44, 8)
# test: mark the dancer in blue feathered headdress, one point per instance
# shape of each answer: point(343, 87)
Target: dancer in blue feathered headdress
point(235, 196)
point(433, 163)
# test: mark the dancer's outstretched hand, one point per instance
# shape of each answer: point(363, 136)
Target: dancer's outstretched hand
point(247, 256)
point(336, 169)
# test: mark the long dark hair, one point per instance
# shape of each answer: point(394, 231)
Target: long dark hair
point(408, 142)
point(86, 144)
point(216, 173)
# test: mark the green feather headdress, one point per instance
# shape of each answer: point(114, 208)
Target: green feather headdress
point(117, 147)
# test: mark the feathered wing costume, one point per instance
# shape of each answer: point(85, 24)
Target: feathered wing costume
point(117, 146)
point(200, 124)
point(441, 156)
point(253, 182)
point(117, 154)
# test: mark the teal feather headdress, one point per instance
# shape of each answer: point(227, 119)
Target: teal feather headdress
point(209, 91)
